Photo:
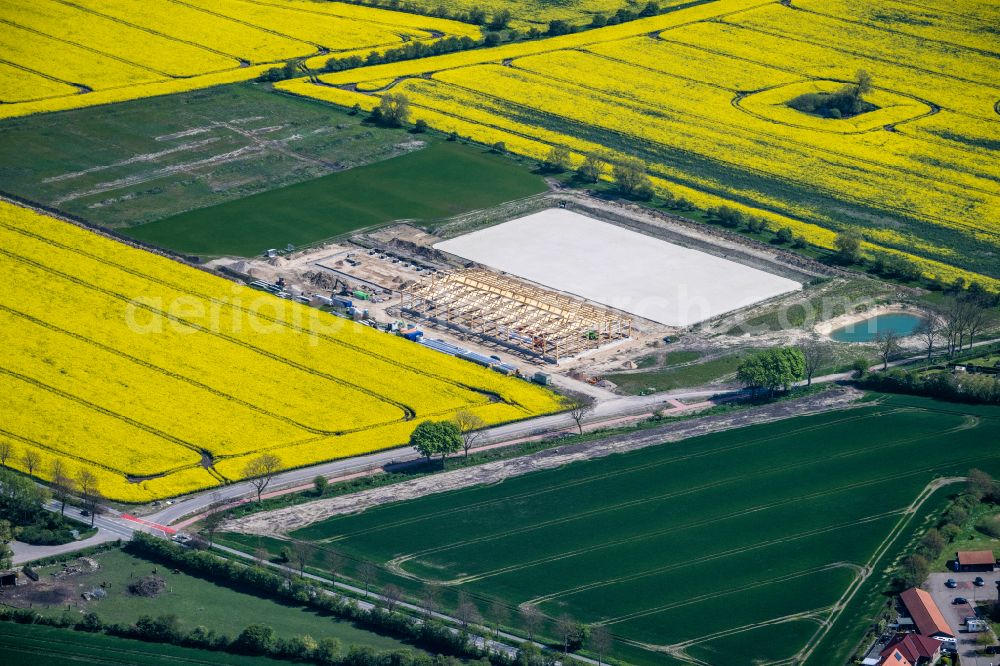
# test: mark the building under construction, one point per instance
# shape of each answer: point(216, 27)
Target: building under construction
point(513, 313)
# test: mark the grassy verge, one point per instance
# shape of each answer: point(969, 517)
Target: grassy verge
point(420, 468)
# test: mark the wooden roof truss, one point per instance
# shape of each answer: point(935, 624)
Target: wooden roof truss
point(514, 313)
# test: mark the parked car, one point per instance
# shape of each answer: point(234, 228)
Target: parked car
point(979, 582)
point(960, 600)
point(993, 649)
point(951, 583)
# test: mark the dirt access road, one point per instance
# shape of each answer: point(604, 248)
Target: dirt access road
point(281, 521)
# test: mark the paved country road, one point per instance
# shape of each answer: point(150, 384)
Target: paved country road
point(607, 407)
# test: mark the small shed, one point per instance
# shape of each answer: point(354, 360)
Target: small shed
point(8, 578)
point(975, 560)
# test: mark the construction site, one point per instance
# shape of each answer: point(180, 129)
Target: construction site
point(513, 313)
point(478, 288)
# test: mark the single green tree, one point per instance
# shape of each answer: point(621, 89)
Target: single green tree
point(772, 369)
point(558, 159)
point(432, 438)
point(393, 110)
point(6, 536)
point(863, 82)
point(630, 177)
point(500, 20)
point(260, 471)
point(848, 246)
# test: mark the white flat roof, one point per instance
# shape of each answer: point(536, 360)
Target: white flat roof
point(626, 270)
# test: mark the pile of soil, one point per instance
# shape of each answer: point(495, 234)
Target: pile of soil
point(147, 586)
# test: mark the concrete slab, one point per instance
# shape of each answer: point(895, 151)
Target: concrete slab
point(624, 269)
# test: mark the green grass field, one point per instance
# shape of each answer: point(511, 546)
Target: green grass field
point(669, 377)
point(27, 645)
point(700, 545)
point(439, 181)
point(199, 602)
point(144, 160)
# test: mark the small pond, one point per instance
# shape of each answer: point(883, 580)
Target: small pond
point(900, 323)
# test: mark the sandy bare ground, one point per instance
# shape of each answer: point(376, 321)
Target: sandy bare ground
point(282, 521)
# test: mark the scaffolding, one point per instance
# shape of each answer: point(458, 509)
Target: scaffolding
point(513, 313)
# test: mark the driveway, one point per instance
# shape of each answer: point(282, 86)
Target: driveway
point(944, 596)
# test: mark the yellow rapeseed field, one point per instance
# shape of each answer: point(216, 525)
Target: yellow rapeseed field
point(164, 379)
point(700, 96)
point(59, 55)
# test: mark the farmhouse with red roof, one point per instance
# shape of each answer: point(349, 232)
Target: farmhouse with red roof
point(925, 613)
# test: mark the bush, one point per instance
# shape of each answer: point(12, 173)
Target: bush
point(727, 216)
point(914, 571)
point(255, 639)
point(784, 236)
point(90, 622)
point(990, 526)
point(976, 389)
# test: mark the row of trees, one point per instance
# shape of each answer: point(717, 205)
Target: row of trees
point(497, 27)
point(629, 174)
point(22, 501)
point(957, 387)
point(980, 488)
point(385, 616)
point(500, 18)
point(255, 639)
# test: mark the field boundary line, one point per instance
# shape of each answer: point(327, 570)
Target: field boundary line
point(168, 373)
point(319, 47)
point(91, 49)
point(681, 652)
point(894, 31)
point(883, 548)
point(163, 35)
point(643, 500)
point(65, 395)
point(752, 586)
point(711, 558)
point(408, 412)
point(706, 123)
